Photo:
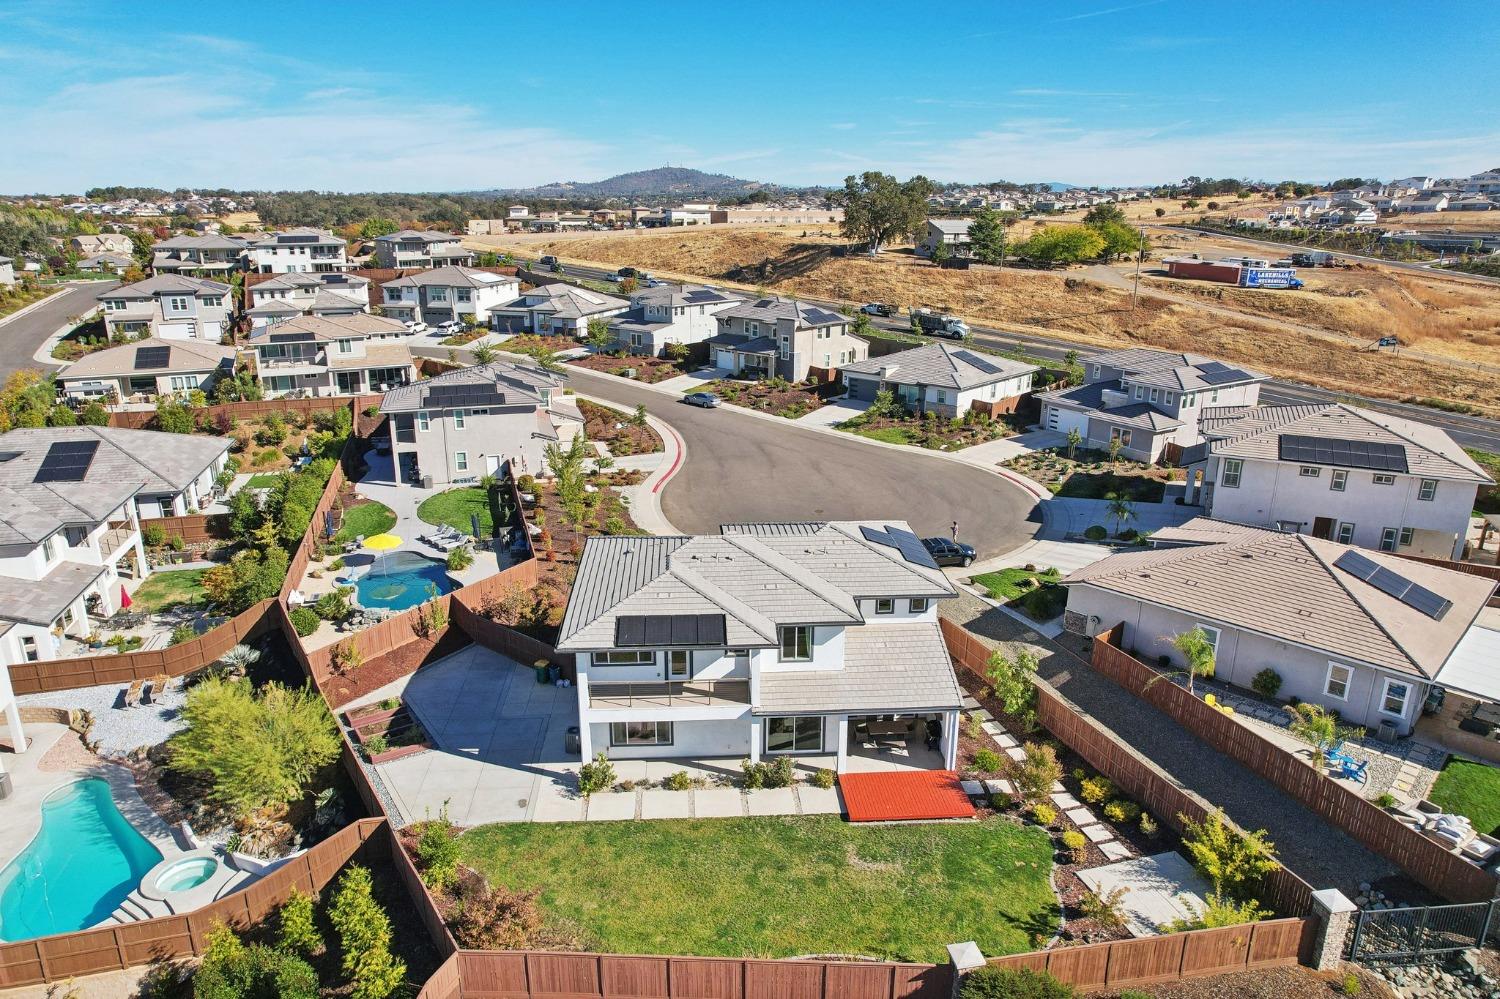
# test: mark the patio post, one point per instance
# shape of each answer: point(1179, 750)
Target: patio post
point(585, 741)
point(841, 726)
point(950, 740)
point(17, 733)
point(1334, 912)
point(754, 739)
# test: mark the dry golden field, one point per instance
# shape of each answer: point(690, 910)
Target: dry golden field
point(1313, 336)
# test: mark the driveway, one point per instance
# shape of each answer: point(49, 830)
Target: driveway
point(835, 412)
point(742, 467)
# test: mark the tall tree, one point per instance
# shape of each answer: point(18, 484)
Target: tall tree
point(879, 209)
point(987, 236)
point(1107, 212)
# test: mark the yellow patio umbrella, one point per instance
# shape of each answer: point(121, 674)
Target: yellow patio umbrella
point(383, 542)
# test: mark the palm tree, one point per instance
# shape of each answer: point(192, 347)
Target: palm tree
point(1120, 510)
point(238, 659)
point(483, 353)
point(1198, 651)
point(1075, 438)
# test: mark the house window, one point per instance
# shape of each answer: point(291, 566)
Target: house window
point(461, 461)
point(1213, 637)
point(1232, 469)
point(794, 735)
point(458, 419)
point(1168, 398)
point(635, 658)
point(1309, 471)
point(679, 665)
point(1337, 683)
point(917, 605)
point(424, 422)
point(1388, 539)
point(1338, 480)
point(49, 548)
point(649, 733)
point(1140, 393)
point(28, 648)
point(1121, 435)
point(752, 329)
point(1393, 699)
point(346, 346)
point(1427, 490)
point(1155, 395)
point(942, 397)
point(885, 605)
point(1381, 479)
point(1096, 371)
point(1346, 533)
point(1406, 533)
point(175, 304)
point(796, 644)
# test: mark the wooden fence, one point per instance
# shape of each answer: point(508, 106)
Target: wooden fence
point(207, 415)
point(1135, 775)
point(192, 528)
point(1427, 862)
point(110, 948)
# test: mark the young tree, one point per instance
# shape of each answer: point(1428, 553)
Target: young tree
point(599, 336)
point(1160, 212)
point(1120, 510)
point(1075, 438)
point(364, 932)
point(1034, 775)
point(629, 286)
point(483, 354)
point(1012, 681)
point(879, 209)
point(1234, 862)
point(1116, 445)
point(941, 253)
point(1197, 651)
point(1105, 214)
point(987, 236)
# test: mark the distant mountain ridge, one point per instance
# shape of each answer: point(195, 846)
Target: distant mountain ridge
point(682, 182)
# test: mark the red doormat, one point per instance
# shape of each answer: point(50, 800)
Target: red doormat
point(904, 795)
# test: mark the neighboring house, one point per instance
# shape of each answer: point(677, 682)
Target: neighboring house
point(467, 423)
point(952, 233)
point(1361, 633)
point(145, 369)
point(200, 256)
point(786, 338)
point(444, 293)
point(409, 249)
point(764, 640)
point(71, 501)
point(170, 306)
point(943, 379)
point(557, 309)
point(1146, 399)
point(104, 242)
point(1428, 201)
point(106, 263)
point(7, 271)
point(667, 315)
point(297, 251)
point(289, 295)
point(1487, 182)
point(1353, 212)
point(314, 356)
point(1337, 472)
point(693, 214)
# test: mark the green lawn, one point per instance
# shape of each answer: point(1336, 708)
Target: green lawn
point(1040, 603)
point(777, 887)
point(1099, 485)
point(365, 520)
point(890, 435)
point(455, 506)
point(1471, 789)
point(265, 480)
point(164, 589)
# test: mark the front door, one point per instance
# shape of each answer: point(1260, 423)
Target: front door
point(349, 382)
point(679, 665)
point(1323, 528)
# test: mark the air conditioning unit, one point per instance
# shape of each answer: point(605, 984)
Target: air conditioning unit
point(1386, 732)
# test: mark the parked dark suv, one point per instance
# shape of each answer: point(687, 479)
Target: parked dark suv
point(945, 552)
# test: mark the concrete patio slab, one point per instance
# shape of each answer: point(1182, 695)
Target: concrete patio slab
point(611, 806)
point(772, 801)
point(1160, 889)
point(718, 803)
point(556, 803)
point(819, 800)
point(659, 803)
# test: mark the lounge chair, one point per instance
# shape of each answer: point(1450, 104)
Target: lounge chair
point(1352, 770)
point(1481, 849)
point(133, 693)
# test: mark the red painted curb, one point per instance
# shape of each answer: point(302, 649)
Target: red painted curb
point(676, 462)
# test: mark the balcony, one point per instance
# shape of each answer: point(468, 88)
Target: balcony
point(117, 537)
point(669, 694)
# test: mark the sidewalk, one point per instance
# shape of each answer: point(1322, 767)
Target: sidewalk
point(644, 498)
point(836, 411)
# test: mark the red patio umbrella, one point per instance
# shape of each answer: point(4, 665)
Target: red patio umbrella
point(125, 600)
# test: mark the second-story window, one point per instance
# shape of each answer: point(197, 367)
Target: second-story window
point(917, 605)
point(796, 644)
point(1427, 490)
point(1338, 480)
point(346, 346)
point(1309, 471)
point(1233, 468)
point(424, 422)
point(885, 605)
point(177, 304)
point(1383, 480)
point(458, 419)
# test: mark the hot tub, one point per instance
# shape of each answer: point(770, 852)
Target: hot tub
point(190, 872)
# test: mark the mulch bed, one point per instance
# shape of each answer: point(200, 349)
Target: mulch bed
point(401, 661)
point(1091, 475)
point(1262, 983)
point(794, 400)
point(647, 369)
point(939, 433)
point(614, 428)
point(527, 342)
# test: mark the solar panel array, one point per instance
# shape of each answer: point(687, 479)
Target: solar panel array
point(1223, 376)
point(289, 337)
point(702, 295)
point(973, 359)
point(67, 461)
point(765, 303)
point(147, 358)
point(463, 396)
point(821, 316)
point(908, 544)
point(1377, 455)
point(674, 630)
point(1413, 595)
point(297, 238)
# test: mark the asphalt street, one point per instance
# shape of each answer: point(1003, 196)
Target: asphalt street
point(741, 468)
point(20, 338)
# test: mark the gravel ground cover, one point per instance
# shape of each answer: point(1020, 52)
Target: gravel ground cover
point(118, 730)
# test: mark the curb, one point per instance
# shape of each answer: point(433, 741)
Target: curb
point(37, 304)
point(646, 495)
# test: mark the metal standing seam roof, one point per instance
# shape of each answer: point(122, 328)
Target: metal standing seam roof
point(939, 364)
point(1285, 586)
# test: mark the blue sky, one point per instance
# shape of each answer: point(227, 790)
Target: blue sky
point(457, 96)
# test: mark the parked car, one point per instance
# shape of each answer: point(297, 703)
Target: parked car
point(615, 278)
point(707, 400)
point(451, 326)
point(547, 261)
point(945, 552)
point(654, 283)
point(878, 309)
point(415, 326)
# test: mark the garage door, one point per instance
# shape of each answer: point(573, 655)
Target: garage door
point(862, 389)
point(1063, 420)
point(175, 331)
point(724, 359)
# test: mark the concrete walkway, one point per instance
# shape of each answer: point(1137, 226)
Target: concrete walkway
point(993, 453)
point(836, 411)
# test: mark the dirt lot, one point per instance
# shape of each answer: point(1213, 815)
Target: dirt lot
point(1318, 343)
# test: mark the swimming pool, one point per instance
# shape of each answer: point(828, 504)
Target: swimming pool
point(83, 862)
point(402, 580)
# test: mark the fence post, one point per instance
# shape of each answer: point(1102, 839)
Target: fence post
point(1333, 911)
point(962, 959)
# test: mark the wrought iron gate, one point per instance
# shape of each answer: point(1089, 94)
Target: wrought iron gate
point(1420, 931)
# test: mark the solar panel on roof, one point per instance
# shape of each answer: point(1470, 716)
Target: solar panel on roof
point(973, 359)
point(66, 461)
point(1392, 583)
point(1210, 366)
point(152, 357)
point(908, 544)
point(701, 295)
point(1227, 375)
point(670, 630)
point(1376, 455)
point(821, 316)
point(289, 337)
point(764, 303)
point(298, 238)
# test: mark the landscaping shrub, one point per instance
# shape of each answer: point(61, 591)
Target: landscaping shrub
point(460, 558)
point(492, 917)
point(1076, 843)
point(375, 745)
point(825, 779)
point(1217, 911)
point(678, 780)
point(184, 632)
point(437, 853)
point(1012, 983)
point(1096, 533)
point(232, 970)
point(1148, 825)
point(988, 761)
point(1122, 811)
point(596, 776)
point(299, 934)
point(1044, 814)
point(1386, 800)
point(1267, 682)
point(334, 605)
point(1095, 789)
point(1034, 775)
point(1233, 861)
point(154, 535)
point(755, 774)
point(1351, 985)
point(1011, 681)
point(305, 620)
point(1104, 909)
point(364, 938)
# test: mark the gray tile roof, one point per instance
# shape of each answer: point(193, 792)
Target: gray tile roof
point(209, 242)
point(1286, 587)
point(406, 235)
point(182, 356)
point(887, 668)
point(1089, 398)
point(804, 315)
point(565, 301)
point(330, 327)
point(167, 284)
point(940, 365)
point(1168, 369)
point(450, 277)
point(323, 238)
point(521, 384)
point(42, 601)
point(951, 227)
point(675, 296)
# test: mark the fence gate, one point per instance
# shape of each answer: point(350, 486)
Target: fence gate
point(1420, 931)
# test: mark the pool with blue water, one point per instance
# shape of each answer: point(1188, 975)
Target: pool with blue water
point(83, 862)
point(401, 580)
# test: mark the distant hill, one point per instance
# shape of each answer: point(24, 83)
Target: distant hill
point(679, 182)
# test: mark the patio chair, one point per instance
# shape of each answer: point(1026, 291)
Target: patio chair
point(1353, 771)
point(133, 693)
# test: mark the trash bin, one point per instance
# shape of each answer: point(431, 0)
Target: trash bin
point(541, 672)
point(5, 780)
point(554, 671)
point(571, 742)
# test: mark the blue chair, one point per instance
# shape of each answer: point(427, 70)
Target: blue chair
point(1353, 771)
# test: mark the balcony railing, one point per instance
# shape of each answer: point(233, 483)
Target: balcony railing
point(668, 693)
point(111, 541)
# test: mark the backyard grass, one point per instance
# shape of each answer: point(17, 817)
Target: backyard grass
point(1034, 593)
point(456, 506)
point(366, 520)
point(167, 589)
point(777, 887)
point(1471, 789)
point(264, 480)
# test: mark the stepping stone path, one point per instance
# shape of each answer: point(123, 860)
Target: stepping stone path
point(1080, 817)
point(1098, 833)
point(969, 703)
point(1016, 753)
point(1066, 801)
point(973, 788)
point(999, 787)
point(1114, 851)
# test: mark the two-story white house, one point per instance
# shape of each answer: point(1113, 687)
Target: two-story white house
point(467, 423)
point(1146, 399)
point(289, 295)
point(814, 640)
point(145, 370)
point(667, 315)
point(413, 250)
point(943, 379)
point(557, 309)
point(953, 234)
point(1338, 472)
point(71, 502)
point(446, 293)
point(200, 256)
point(297, 251)
point(313, 356)
point(785, 337)
point(169, 306)
point(1365, 634)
